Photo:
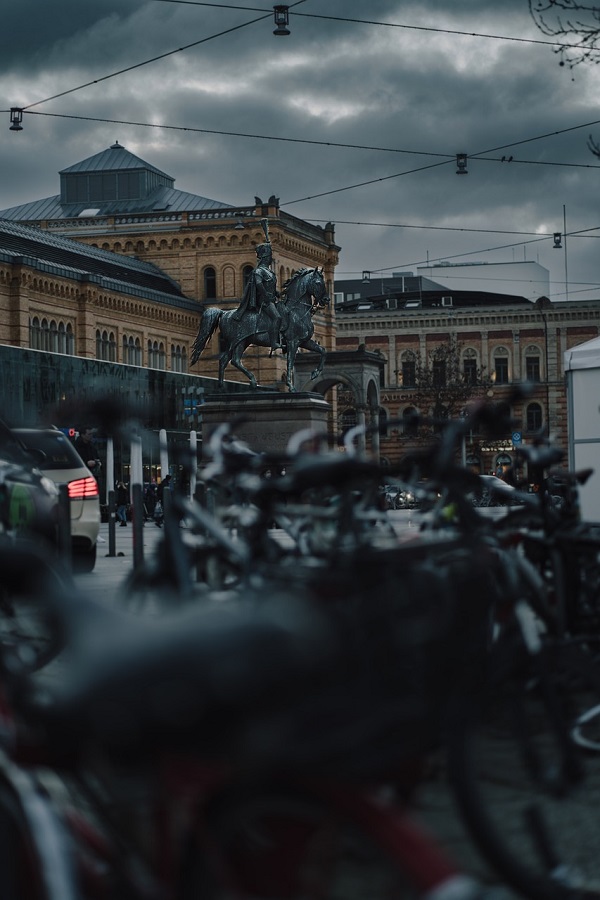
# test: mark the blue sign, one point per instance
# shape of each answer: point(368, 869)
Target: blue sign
point(516, 437)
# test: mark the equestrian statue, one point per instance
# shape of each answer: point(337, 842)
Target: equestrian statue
point(266, 318)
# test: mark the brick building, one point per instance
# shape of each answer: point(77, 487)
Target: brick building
point(203, 249)
point(511, 339)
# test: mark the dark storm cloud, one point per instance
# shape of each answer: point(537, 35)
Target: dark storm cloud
point(31, 29)
point(334, 81)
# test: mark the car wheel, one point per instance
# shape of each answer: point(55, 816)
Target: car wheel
point(84, 560)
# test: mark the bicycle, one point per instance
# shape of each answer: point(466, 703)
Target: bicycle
point(185, 746)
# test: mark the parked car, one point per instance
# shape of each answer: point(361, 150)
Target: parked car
point(60, 461)
point(28, 498)
point(494, 491)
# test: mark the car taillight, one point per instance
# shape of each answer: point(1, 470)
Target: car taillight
point(83, 488)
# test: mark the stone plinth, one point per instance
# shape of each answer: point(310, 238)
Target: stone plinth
point(271, 417)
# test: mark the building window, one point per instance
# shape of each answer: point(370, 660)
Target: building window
point(178, 358)
point(532, 368)
point(35, 334)
point(106, 345)
point(408, 370)
point(438, 371)
point(347, 420)
point(210, 283)
point(132, 351)
point(157, 358)
point(383, 422)
point(501, 369)
point(54, 337)
point(470, 370)
point(534, 417)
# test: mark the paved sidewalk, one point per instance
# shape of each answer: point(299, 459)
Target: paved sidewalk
point(110, 572)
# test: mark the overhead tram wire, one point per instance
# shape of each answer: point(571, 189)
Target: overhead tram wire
point(428, 28)
point(581, 233)
point(154, 59)
point(335, 144)
point(262, 137)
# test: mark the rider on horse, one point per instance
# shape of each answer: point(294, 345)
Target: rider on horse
point(261, 294)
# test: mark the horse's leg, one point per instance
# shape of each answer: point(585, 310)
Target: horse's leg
point(292, 349)
point(316, 348)
point(224, 360)
point(236, 360)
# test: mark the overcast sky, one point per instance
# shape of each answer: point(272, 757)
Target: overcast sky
point(400, 82)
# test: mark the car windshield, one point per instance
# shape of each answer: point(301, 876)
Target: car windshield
point(10, 448)
point(59, 452)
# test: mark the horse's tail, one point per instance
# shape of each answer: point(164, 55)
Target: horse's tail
point(208, 325)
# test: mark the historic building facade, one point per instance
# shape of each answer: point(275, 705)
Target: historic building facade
point(118, 203)
point(513, 343)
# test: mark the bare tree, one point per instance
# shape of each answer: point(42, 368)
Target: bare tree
point(444, 385)
point(578, 23)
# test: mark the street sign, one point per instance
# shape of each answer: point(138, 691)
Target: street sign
point(517, 437)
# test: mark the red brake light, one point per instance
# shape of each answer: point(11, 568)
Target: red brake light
point(83, 488)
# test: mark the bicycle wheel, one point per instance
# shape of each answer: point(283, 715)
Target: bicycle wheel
point(283, 846)
point(30, 630)
point(528, 797)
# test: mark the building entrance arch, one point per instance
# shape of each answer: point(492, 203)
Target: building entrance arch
point(360, 372)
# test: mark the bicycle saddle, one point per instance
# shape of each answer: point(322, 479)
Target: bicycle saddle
point(196, 682)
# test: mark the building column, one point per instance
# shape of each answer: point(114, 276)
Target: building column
point(375, 443)
point(516, 355)
point(361, 440)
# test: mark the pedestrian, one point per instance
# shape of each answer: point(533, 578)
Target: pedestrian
point(87, 450)
point(160, 491)
point(122, 503)
point(149, 500)
point(159, 515)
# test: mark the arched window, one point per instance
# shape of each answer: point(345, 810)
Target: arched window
point(501, 360)
point(408, 369)
point(106, 345)
point(533, 417)
point(383, 422)
point(210, 283)
point(533, 363)
point(62, 338)
point(35, 334)
point(53, 339)
point(178, 358)
point(347, 420)
point(470, 366)
point(45, 342)
point(132, 351)
point(112, 347)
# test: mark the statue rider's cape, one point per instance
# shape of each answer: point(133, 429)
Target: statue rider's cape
point(249, 305)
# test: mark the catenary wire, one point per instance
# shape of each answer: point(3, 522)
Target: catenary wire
point(335, 144)
point(428, 28)
point(154, 59)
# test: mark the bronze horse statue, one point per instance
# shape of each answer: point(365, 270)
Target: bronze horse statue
point(301, 295)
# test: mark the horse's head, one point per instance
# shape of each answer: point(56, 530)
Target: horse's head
point(318, 289)
point(306, 286)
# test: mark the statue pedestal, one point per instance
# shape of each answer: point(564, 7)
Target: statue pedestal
point(272, 417)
